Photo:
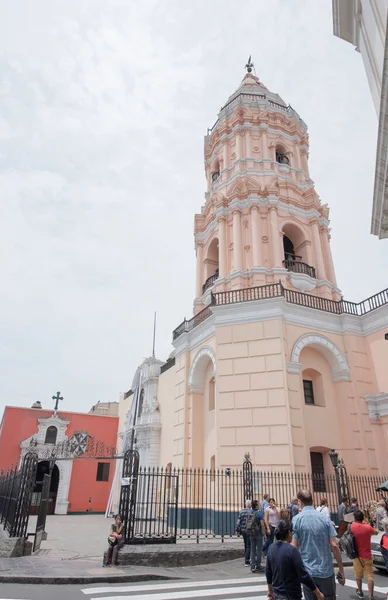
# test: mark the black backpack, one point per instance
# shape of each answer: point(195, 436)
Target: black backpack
point(252, 527)
point(347, 544)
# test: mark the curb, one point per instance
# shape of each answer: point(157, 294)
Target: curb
point(76, 579)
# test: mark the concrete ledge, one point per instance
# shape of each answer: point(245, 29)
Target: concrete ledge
point(76, 579)
point(178, 555)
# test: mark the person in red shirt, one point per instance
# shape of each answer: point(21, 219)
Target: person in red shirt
point(363, 565)
point(384, 543)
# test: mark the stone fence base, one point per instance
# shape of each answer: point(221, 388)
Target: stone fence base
point(178, 555)
point(13, 547)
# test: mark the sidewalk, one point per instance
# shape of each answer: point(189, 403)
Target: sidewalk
point(73, 554)
point(65, 569)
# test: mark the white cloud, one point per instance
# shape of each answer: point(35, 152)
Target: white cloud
point(103, 111)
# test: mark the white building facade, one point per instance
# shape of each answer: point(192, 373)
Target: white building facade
point(363, 23)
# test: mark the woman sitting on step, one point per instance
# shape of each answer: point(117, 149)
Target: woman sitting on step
point(115, 541)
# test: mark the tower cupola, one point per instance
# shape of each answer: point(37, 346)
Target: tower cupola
point(262, 220)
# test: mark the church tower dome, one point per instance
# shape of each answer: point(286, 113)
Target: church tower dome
point(262, 220)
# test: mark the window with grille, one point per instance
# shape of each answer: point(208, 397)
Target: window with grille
point(102, 472)
point(318, 472)
point(308, 391)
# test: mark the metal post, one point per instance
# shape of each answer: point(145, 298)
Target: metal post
point(247, 478)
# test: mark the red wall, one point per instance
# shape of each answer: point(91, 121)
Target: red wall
point(85, 493)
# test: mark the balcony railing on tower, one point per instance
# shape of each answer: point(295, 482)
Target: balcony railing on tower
point(297, 266)
point(276, 290)
point(210, 281)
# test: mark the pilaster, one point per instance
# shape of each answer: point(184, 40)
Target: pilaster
point(320, 267)
point(256, 236)
point(237, 243)
point(275, 236)
point(200, 265)
point(222, 247)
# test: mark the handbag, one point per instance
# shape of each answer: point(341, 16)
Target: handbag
point(112, 540)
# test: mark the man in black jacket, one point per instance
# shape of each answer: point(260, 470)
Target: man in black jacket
point(285, 571)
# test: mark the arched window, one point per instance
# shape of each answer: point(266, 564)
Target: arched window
point(212, 468)
point(282, 156)
point(212, 393)
point(313, 389)
point(51, 435)
point(141, 403)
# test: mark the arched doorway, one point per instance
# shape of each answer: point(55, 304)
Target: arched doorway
point(42, 470)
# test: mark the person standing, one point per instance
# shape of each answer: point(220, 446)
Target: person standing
point(241, 529)
point(256, 532)
point(316, 538)
point(343, 508)
point(271, 520)
point(384, 543)
point(381, 514)
point(264, 504)
point(353, 505)
point(293, 508)
point(363, 564)
point(323, 507)
point(285, 571)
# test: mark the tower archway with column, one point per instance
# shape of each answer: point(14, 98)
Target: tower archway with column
point(202, 408)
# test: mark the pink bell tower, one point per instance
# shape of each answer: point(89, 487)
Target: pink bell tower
point(262, 221)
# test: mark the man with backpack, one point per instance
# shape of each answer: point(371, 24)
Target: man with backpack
point(241, 529)
point(293, 508)
point(256, 533)
point(363, 563)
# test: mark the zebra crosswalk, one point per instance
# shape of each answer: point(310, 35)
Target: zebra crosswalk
point(233, 589)
point(226, 589)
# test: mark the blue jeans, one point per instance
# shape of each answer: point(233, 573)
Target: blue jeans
point(247, 546)
point(256, 550)
point(269, 539)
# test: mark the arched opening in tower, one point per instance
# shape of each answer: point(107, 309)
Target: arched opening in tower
point(289, 249)
point(211, 265)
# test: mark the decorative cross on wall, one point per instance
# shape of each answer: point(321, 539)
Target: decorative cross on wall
point(57, 398)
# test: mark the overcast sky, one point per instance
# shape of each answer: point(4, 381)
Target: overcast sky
point(103, 109)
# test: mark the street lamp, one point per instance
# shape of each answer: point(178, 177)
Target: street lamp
point(334, 458)
point(334, 461)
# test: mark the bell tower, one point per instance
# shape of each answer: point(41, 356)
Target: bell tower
point(262, 220)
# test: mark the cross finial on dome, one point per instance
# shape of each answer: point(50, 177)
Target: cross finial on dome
point(249, 66)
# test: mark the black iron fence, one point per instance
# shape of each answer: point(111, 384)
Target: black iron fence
point(16, 487)
point(198, 504)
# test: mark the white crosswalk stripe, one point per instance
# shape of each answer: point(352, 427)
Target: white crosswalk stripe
point(233, 589)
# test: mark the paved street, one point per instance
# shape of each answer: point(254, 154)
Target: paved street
point(247, 586)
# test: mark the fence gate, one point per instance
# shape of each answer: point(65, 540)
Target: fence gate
point(156, 515)
point(16, 489)
point(42, 514)
point(128, 492)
